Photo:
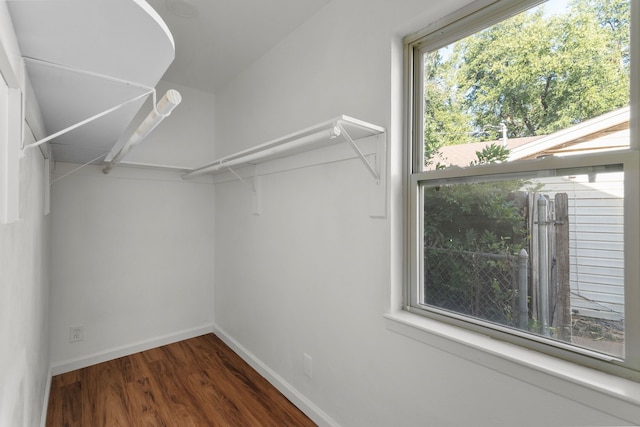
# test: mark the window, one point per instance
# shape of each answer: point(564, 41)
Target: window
point(523, 177)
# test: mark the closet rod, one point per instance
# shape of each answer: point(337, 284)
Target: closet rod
point(340, 129)
point(240, 158)
point(162, 110)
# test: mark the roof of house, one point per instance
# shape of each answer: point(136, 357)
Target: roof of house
point(605, 132)
point(464, 154)
point(608, 131)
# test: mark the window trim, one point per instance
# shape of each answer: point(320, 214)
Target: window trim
point(602, 391)
point(466, 21)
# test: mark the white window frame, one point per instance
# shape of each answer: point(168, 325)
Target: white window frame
point(467, 21)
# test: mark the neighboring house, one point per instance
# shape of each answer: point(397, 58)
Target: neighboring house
point(609, 131)
point(595, 207)
point(464, 154)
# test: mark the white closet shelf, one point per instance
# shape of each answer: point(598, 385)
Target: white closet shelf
point(341, 129)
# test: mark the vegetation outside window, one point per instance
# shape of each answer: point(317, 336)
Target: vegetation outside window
point(523, 177)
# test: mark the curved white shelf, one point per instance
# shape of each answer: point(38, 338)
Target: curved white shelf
point(83, 58)
point(342, 129)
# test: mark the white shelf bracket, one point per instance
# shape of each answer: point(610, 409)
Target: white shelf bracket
point(372, 170)
point(251, 186)
point(315, 137)
point(85, 121)
point(146, 92)
point(256, 189)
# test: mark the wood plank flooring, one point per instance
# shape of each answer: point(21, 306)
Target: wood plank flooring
point(197, 382)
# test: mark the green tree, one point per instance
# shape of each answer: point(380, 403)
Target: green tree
point(536, 73)
point(445, 123)
point(613, 16)
point(492, 153)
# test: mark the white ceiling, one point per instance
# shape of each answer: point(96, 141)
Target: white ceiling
point(134, 40)
point(227, 35)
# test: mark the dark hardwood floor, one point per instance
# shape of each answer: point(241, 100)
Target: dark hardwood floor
point(197, 382)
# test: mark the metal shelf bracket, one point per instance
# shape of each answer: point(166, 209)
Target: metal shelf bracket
point(372, 170)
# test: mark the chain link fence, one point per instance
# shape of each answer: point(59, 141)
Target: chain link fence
point(477, 284)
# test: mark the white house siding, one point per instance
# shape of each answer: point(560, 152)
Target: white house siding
point(596, 238)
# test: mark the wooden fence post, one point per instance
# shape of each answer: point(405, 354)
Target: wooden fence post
point(563, 307)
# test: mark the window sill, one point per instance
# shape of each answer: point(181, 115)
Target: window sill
point(608, 393)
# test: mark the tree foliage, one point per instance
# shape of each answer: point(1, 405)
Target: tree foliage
point(538, 73)
point(471, 232)
point(492, 153)
point(478, 216)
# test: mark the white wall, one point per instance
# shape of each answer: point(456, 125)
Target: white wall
point(132, 251)
point(132, 258)
point(24, 302)
point(314, 273)
point(24, 286)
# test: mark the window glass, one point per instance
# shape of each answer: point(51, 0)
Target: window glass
point(536, 252)
point(522, 155)
point(553, 80)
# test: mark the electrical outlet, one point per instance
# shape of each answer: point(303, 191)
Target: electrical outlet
point(76, 333)
point(308, 367)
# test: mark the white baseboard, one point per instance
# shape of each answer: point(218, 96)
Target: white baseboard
point(297, 398)
point(114, 353)
point(45, 403)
